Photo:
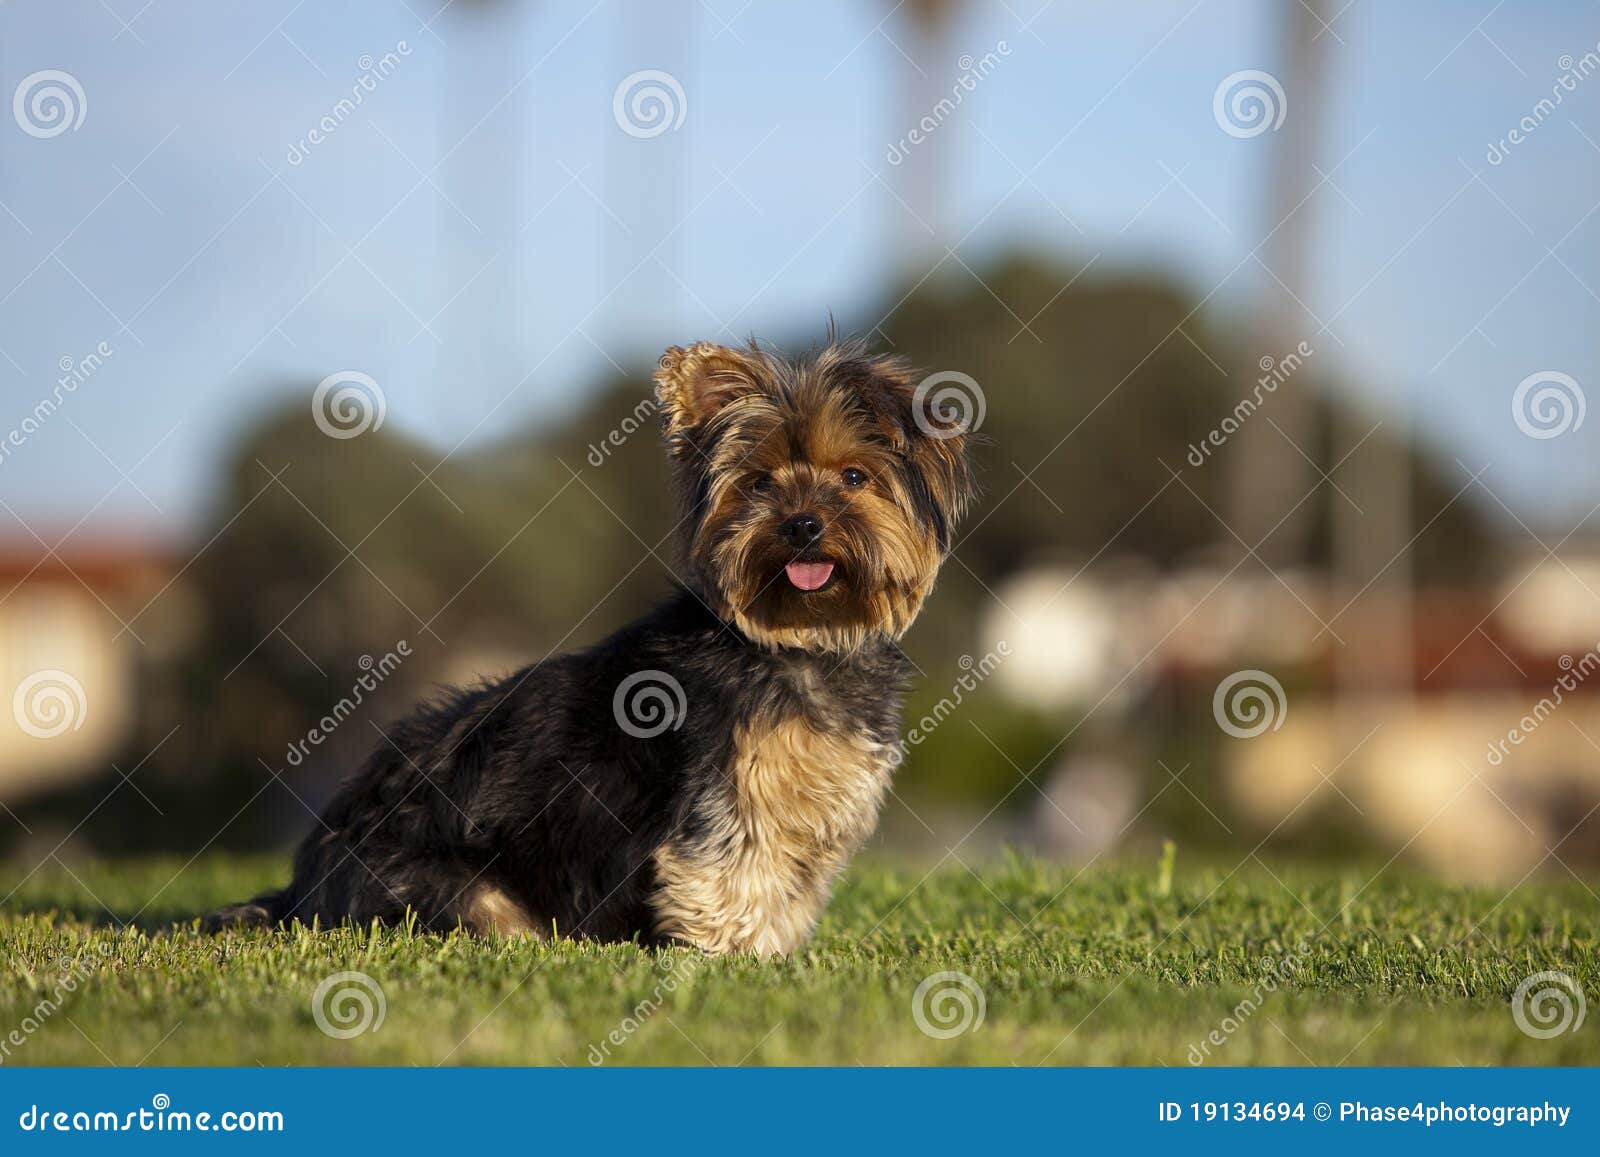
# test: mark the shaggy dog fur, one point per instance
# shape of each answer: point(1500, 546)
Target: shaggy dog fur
point(702, 775)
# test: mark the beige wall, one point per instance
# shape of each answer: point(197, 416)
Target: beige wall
point(1425, 782)
point(65, 687)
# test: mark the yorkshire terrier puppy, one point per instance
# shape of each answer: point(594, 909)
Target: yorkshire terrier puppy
point(704, 774)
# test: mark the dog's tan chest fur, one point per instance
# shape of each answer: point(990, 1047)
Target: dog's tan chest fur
point(800, 802)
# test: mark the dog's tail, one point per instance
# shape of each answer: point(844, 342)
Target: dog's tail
point(267, 910)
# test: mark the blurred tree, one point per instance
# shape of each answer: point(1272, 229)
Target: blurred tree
point(1095, 406)
point(322, 550)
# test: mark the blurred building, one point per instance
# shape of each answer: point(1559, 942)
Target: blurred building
point(1482, 763)
point(73, 641)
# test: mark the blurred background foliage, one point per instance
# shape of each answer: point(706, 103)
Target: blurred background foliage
point(327, 550)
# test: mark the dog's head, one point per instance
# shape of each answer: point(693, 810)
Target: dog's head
point(819, 497)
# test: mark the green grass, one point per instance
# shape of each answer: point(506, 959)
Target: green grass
point(1108, 971)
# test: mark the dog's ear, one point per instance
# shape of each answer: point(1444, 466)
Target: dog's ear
point(929, 422)
point(693, 384)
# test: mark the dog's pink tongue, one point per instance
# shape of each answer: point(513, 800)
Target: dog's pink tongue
point(808, 576)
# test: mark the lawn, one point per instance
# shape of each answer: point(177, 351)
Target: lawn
point(1093, 968)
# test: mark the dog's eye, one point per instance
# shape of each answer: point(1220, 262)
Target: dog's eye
point(854, 478)
point(762, 483)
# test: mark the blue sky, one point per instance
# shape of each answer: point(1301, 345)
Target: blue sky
point(509, 240)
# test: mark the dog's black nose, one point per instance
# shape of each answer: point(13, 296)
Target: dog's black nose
point(802, 530)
